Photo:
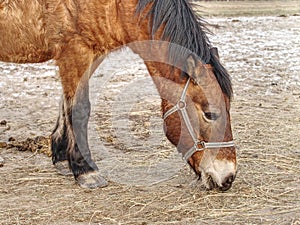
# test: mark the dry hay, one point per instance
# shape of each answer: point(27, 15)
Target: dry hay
point(266, 190)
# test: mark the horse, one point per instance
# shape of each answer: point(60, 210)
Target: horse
point(194, 86)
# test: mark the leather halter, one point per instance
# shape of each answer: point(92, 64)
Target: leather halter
point(198, 145)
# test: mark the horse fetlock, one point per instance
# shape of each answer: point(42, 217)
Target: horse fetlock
point(58, 155)
point(82, 166)
point(59, 147)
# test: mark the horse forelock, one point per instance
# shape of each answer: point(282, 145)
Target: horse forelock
point(182, 27)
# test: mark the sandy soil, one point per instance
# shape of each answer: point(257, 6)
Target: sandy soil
point(148, 181)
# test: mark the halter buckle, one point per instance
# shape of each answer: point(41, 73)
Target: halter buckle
point(199, 143)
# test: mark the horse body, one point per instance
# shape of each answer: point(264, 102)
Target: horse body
point(23, 35)
point(78, 34)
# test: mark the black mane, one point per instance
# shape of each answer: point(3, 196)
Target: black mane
point(184, 28)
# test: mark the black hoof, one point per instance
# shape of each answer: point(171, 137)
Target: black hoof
point(63, 168)
point(91, 180)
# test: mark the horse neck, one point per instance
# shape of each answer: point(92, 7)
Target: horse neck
point(165, 75)
point(151, 49)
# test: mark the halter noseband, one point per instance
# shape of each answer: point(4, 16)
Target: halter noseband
point(181, 108)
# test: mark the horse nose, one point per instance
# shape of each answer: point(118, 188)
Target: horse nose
point(227, 182)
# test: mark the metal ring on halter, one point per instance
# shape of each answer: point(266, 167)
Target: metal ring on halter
point(181, 105)
point(202, 143)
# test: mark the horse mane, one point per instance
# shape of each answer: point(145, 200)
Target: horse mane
point(184, 28)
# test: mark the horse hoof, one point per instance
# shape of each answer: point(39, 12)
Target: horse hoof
point(63, 168)
point(91, 180)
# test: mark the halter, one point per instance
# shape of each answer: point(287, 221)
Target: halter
point(181, 108)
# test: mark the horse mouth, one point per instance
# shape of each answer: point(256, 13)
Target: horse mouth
point(211, 184)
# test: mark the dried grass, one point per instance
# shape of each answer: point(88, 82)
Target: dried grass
point(266, 129)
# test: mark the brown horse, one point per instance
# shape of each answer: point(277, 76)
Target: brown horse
point(194, 86)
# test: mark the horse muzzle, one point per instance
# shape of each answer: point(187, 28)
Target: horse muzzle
point(219, 176)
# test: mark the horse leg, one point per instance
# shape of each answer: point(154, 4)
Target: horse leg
point(59, 143)
point(75, 69)
point(59, 136)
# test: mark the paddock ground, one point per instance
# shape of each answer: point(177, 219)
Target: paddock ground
point(148, 181)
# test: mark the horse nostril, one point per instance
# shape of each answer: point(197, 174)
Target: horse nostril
point(227, 182)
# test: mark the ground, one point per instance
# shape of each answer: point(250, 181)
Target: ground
point(148, 181)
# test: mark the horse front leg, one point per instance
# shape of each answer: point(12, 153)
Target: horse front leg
point(59, 137)
point(70, 139)
point(60, 143)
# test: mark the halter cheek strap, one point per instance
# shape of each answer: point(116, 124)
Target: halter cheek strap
point(198, 145)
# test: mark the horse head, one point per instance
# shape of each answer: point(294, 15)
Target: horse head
point(198, 123)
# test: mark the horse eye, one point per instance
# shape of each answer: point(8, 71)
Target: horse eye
point(211, 115)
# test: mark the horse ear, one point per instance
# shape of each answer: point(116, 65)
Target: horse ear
point(190, 65)
point(195, 69)
point(214, 51)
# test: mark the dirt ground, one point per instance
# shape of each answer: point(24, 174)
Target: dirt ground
point(148, 181)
